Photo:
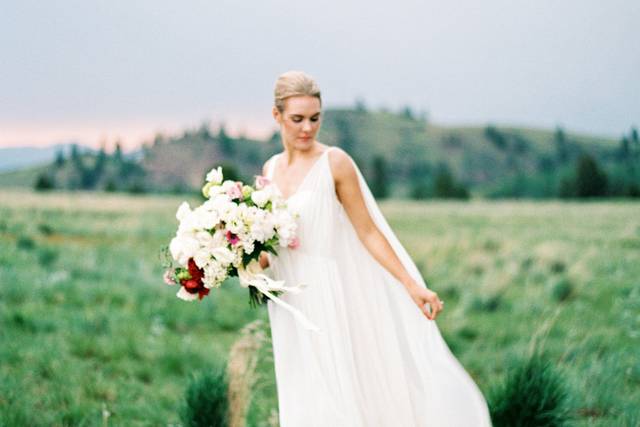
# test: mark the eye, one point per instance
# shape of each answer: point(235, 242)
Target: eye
point(315, 119)
point(297, 119)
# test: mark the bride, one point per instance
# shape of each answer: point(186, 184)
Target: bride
point(378, 358)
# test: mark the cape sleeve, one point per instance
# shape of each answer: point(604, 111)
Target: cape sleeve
point(383, 225)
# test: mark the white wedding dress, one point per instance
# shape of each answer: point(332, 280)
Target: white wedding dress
point(377, 360)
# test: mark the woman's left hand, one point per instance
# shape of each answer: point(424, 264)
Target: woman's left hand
point(422, 296)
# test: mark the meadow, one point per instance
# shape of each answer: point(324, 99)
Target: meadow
point(90, 334)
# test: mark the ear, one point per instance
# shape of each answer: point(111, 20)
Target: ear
point(276, 114)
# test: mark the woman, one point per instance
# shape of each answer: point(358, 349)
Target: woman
point(379, 359)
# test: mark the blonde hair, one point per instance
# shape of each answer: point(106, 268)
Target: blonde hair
point(294, 83)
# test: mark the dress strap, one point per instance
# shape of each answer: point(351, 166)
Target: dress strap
point(272, 165)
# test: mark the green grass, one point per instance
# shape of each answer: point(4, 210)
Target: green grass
point(90, 335)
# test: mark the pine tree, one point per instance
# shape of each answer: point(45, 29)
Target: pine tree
point(117, 153)
point(380, 181)
point(623, 152)
point(60, 160)
point(562, 149)
point(227, 144)
point(591, 181)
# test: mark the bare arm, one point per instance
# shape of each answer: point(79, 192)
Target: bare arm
point(350, 195)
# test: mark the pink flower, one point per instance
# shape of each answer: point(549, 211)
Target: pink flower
point(232, 238)
point(262, 181)
point(168, 277)
point(294, 243)
point(235, 191)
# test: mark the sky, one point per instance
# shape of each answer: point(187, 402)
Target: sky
point(100, 71)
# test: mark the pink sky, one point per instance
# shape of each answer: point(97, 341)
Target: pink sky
point(131, 133)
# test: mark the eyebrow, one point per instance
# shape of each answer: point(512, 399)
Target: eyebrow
point(302, 115)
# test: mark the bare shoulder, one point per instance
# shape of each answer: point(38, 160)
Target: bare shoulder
point(341, 164)
point(266, 165)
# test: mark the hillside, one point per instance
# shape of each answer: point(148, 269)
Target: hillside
point(411, 154)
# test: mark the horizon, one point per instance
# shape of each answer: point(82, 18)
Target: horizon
point(132, 136)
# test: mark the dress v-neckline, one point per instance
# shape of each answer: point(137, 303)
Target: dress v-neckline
point(275, 163)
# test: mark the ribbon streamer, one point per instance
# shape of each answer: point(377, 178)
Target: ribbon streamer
point(264, 284)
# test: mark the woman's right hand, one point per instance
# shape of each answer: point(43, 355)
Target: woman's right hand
point(264, 260)
point(423, 296)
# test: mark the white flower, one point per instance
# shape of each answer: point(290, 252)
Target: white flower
point(201, 258)
point(223, 255)
point(248, 246)
point(260, 197)
point(183, 211)
point(184, 295)
point(215, 175)
point(183, 247)
point(214, 275)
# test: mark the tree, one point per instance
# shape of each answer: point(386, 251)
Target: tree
point(623, 151)
point(204, 131)
point(227, 144)
point(560, 142)
point(445, 185)
point(380, 181)
point(360, 106)
point(60, 160)
point(635, 144)
point(44, 182)
point(101, 159)
point(407, 113)
point(495, 137)
point(346, 137)
point(117, 153)
point(75, 154)
point(591, 181)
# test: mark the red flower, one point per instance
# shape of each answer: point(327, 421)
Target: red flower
point(202, 292)
point(194, 285)
point(195, 272)
point(191, 286)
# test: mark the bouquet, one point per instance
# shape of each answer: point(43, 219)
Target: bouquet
point(224, 237)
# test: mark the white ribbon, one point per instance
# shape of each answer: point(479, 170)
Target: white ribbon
point(265, 284)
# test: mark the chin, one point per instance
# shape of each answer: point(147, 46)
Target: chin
point(304, 145)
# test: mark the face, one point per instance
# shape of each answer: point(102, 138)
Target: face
point(300, 121)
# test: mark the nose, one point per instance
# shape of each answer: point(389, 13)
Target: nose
point(306, 126)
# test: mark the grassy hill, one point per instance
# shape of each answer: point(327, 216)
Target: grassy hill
point(490, 160)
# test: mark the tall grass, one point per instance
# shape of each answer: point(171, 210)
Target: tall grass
point(206, 401)
point(241, 368)
point(534, 394)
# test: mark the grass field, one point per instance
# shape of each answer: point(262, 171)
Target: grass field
point(90, 335)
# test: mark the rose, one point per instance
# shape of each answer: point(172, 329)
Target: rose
point(294, 243)
point(261, 182)
point(235, 191)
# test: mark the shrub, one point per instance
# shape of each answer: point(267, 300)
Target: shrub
point(47, 256)
point(25, 242)
point(562, 290)
point(533, 394)
point(206, 399)
point(44, 182)
point(591, 180)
